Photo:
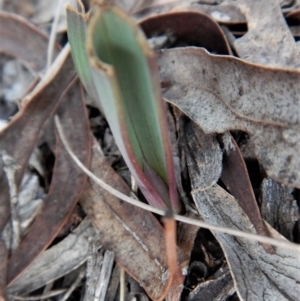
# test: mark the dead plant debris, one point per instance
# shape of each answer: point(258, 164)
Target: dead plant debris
point(229, 77)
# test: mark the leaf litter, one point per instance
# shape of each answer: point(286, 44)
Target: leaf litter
point(232, 95)
point(237, 95)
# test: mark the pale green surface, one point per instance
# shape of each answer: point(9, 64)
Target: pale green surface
point(77, 38)
point(115, 43)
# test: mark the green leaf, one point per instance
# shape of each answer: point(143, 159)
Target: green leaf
point(125, 75)
point(76, 22)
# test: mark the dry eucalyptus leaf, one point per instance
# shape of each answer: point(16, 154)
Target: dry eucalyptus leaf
point(258, 276)
point(57, 261)
point(15, 32)
point(179, 165)
point(223, 93)
point(226, 12)
point(218, 288)
point(236, 179)
point(180, 27)
point(58, 204)
point(278, 207)
point(208, 161)
point(268, 40)
point(135, 235)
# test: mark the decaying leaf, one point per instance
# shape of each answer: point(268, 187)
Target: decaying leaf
point(257, 275)
point(57, 261)
point(39, 105)
point(236, 179)
point(134, 235)
point(3, 267)
point(19, 137)
point(208, 161)
point(223, 93)
point(226, 12)
point(66, 186)
point(15, 32)
point(181, 27)
point(218, 288)
point(268, 40)
point(219, 94)
point(33, 115)
point(278, 207)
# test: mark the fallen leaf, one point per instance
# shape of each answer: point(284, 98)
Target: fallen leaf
point(236, 179)
point(223, 93)
point(257, 275)
point(176, 154)
point(19, 137)
point(225, 12)
point(182, 26)
point(23, 131)
point(12, 30)
point(3, 267)
point(59, 202)
point(186, 233)
point(39, 105)
point(135, 236)
point(218, 288)
point(57, 261)
point(208, 161)
point(268, 40)
point(278, 207)
point(15, 32)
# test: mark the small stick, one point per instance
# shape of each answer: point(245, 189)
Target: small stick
point(105, 273)
point(39, 297)
point(122, 284)
point(73, 286)
point(94, 263)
